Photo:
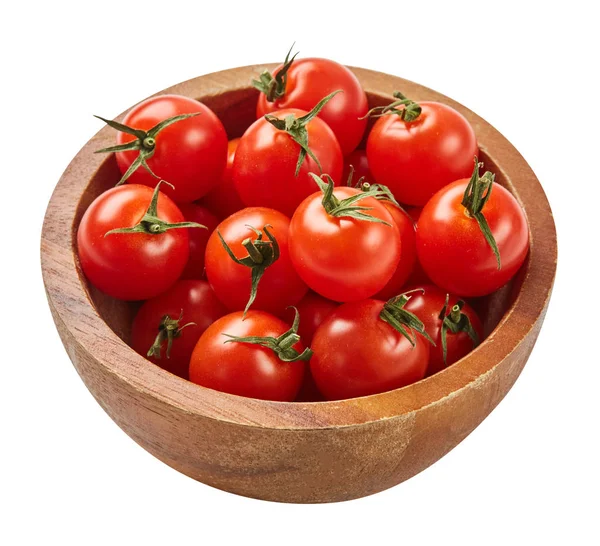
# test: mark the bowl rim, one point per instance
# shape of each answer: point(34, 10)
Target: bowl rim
point(76, 316)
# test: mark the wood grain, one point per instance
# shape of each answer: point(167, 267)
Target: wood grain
point(292, 452)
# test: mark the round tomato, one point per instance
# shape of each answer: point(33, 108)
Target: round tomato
point(451, 244)
point(190, 153)
point(136, 265)
point(273, 279)
point(223, 199)
point(313, 309)
point(427, 302)
point(415, 159)
point(359, 162)
point(166, 328)
point(306, 82)
point(265, 164)
point(342, 256)
point(198, 238)
point(356, 353)
point(225, 360)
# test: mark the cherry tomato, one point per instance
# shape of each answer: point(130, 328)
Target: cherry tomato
point(313, 309)
point(415, 159)
point(223, 199)
point(356, 353)
point(308, 81)
point(190, 154)
point(358, 160)
point(418, 275)
point(453, 250)
point(427, 303)
point(198, 238)
point(221, 363)
point(344, 258)
point(266, 159)
point(131, 266)
point(179, 315)
point(279, 286)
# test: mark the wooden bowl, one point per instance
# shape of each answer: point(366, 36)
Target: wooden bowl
point(292, 452)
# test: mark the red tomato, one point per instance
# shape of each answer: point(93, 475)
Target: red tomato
point(313, 310)
point(190, 154)
point(265, 163)
point(182, 313)
point(280, 285)
point(344, 258)
point(198, 238)
point(356, 353)
point(223, 199)
point(245, 369)
point(427, 303)
point(131, 266)
point(452, 248)
point(418, 276)
point(415, 159)
point(308, 81)
point(408, 252)
point(358, 160)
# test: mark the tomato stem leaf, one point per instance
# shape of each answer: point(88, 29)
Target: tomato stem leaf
point(168, 329)
point(410, 110)
point(456, 321)
point(401, 320)
point(274, 86)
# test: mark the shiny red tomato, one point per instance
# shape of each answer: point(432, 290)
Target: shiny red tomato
point(415, 159)
point(453, 250)
point(356, 353)
point(190, 154)
point(343, 258)
point(265, 163)
point(308, 81)
point(358, 160)
point(427, 303)
point(279, 286)
point(222, 363)
point(223, 199)
point(131, 266)
point(177, 317)
point(313, 310)
point(418, 275)
point(198, 238)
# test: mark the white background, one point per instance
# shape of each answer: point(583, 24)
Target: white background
point(527, 475)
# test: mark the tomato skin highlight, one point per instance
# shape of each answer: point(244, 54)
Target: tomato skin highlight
point(311, 79)
point(341, 258)
point(196, 302)
point(241, 368)
point(280, 285)
point(189, 154)
point(427, 305)
point(453, 250)
point(358, 354)
point(198, 238)
point(416, 159)
point(131, 266)
point(265, 162)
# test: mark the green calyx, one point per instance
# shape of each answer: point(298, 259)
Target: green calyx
point(144, 143)
point(151, 223)
point(282, 346)
point(477, 193)
point(296, 128)
point(403, 321)
point(274, 86)
point(261, 254)
point(346, 207)
point(168, 330)
point(410, 111)
point(455, 321)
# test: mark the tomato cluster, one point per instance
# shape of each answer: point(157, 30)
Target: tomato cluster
point(290, 264)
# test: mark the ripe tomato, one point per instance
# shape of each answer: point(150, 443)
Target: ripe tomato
point(414, 159)
point(359, 162)
point(452, 248)
point(356, 353)
point(131, 266)
point(343, 258)
point(278, 287)
point(226, 364)
point(307, 82)
point(190, 154)
point(198, 238)
point(223, 199)
point(265, 163)
point(313, 309)
point(427, 302)
point(177, 317)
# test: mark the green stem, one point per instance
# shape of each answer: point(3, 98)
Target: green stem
point(403, 321)
point(168, 329)
point(456, 321)
point(410, 110)
point(274, 86)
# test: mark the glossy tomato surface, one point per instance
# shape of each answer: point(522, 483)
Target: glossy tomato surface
point(198, 238)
